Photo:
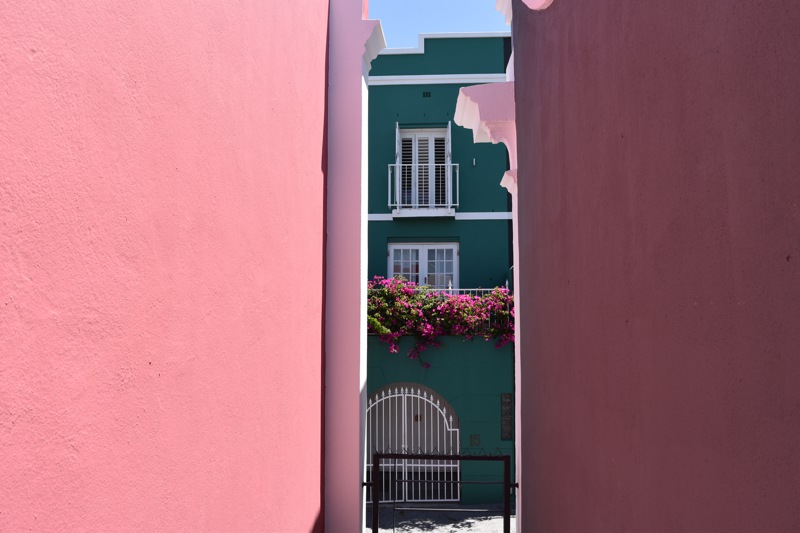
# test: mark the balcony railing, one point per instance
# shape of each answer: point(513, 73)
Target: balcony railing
point(451, 292)
point(423, 190)
point(457, 292)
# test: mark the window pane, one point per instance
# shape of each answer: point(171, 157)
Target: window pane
point(405, 262)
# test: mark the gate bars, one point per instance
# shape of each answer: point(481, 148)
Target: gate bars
point(414, 420)
point(377, 485)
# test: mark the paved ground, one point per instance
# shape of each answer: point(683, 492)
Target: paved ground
point(408, 518)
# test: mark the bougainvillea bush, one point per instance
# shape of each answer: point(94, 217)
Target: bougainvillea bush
point(397, 307)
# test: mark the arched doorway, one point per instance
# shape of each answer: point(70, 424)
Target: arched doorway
point(410, 418)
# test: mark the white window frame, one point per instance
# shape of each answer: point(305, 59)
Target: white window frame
point(403, 205)
point(423, 248)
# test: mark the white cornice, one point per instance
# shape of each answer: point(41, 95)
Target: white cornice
point(420, 49)
point(434, 79)
point(374, 43)
point(489, 111)
point(509, 181)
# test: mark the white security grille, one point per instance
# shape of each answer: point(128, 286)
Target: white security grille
point(413, 420)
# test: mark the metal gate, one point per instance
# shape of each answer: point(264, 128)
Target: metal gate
point(412, 419)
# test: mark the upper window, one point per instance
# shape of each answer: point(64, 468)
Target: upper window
point(434, 265)
point(422, 180)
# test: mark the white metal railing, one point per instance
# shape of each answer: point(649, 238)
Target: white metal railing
point(427, 187)
point(450, 291)
point(413, 421)
point(458, 292)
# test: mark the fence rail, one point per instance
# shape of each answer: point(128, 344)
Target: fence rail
point(377, 485)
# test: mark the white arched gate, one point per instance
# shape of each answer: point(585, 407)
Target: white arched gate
point(412, 419)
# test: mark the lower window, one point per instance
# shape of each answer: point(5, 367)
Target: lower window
point(432, 264)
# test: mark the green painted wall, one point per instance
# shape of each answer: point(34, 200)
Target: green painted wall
point(484, 245)
point(448, 56)
point(470, 375)
point(484, 254)
point(481, 166)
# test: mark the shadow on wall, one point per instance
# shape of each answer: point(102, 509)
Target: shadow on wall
point(319, 523)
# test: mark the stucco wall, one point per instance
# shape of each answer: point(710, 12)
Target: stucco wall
point(660, 246)
point(470, 376)
point(161, 215)
point(479, 164)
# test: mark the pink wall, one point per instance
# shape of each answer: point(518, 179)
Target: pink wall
point(161, 215)
point(659, 203)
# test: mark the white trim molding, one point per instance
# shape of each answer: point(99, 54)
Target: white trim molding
point(501, 215)
point(489, 215)
point(420, 49)
point(436, 79)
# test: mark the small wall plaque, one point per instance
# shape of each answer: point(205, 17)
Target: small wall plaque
point(506, 416)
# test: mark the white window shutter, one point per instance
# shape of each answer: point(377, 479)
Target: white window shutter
point(397, 148)
point(449, 144)
point(448, 151)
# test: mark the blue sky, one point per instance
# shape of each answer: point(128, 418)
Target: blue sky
point(403, 20)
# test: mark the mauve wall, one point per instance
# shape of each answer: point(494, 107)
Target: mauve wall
point(161, 240)
point(659, 163)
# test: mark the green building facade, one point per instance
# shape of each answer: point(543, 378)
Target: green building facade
point(438, 217)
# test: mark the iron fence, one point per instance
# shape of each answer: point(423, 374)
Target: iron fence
point(377, 485)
